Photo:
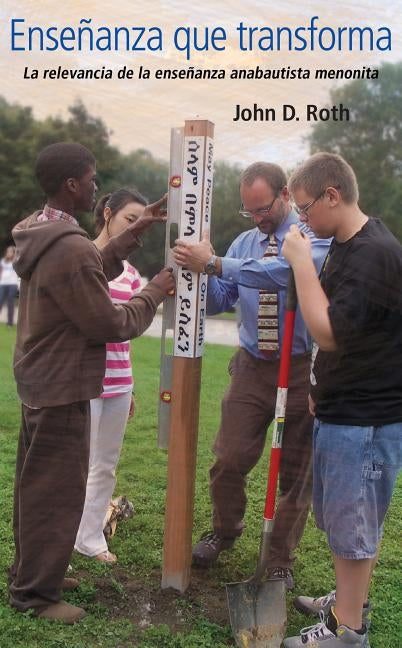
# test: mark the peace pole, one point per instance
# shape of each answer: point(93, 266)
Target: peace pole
point(189, 205)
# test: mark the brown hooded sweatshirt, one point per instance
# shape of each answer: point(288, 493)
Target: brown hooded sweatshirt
point(66, 315)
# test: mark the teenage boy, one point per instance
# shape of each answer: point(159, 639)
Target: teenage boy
point(65, 319)
point(354, 315)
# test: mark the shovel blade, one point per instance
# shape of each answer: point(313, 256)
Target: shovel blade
point(257, 613)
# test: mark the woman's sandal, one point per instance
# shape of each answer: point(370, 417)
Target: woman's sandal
point(107, 557)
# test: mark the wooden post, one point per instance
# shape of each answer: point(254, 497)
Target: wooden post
point(189, 328)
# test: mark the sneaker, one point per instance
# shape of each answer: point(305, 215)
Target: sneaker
point(320, 635)
point(313, 606)
point(207, 550)
point(62, 611)
point(282, 573)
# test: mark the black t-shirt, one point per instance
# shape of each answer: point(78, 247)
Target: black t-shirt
point(361, 382)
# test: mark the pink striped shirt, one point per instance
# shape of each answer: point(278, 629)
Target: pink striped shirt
point(118, 377)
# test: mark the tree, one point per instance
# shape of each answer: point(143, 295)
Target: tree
point(140, 169)
point(18, 145)
point(371, 141)
point(22, 137)
point(226, 221)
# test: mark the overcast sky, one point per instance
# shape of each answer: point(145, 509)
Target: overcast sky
point(141, 113)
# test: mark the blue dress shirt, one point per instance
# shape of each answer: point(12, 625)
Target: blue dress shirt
point(244, 273)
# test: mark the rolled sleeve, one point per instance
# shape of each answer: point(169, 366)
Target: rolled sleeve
point(271, 273)
point(231, 269)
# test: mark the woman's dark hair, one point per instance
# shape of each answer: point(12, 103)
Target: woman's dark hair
point(115, 201)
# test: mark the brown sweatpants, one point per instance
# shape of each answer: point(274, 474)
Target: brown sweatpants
point(49, 495)
point(248, 407)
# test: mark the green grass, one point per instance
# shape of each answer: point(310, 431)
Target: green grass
point(106, 592)
point(228, 315)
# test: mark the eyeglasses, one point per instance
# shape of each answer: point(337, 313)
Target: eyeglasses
point(262, 211)
point(305, 208)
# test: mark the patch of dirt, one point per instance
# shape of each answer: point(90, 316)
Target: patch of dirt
point(147, 604)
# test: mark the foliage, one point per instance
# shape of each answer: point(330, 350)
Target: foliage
point(22, 137)
point(371, 141)
point(202, 635)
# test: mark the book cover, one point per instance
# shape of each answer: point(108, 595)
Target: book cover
point(278, 80)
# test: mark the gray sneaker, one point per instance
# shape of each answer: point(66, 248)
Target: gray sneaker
point(206, 551)
point(320, 635)
point(313, 606)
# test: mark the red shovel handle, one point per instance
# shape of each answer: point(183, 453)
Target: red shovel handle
point(281, 397)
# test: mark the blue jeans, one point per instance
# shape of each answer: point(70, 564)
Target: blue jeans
point(8, 294)
point(354, 472)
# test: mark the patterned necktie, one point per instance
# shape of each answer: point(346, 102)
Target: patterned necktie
point(268, 327)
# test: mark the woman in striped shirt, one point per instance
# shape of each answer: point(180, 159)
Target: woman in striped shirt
point(110, 412)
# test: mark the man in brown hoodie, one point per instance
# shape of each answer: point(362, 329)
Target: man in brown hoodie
point(65, 319)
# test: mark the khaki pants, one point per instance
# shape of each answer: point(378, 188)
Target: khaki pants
point(50, 482)
point(248, 408)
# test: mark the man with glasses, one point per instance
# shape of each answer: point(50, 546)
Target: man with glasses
point(354, 315)
point(255, 274)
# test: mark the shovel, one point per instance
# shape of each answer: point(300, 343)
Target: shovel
point(257, 609)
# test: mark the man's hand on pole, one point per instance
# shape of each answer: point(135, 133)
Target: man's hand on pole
point(193, 256)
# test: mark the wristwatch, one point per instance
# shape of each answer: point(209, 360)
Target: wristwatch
point(210, 266)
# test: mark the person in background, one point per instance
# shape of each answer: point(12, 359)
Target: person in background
point(111, 410)
point(9, 283)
